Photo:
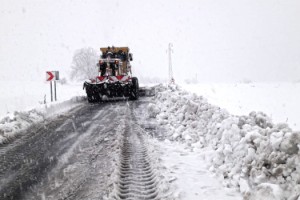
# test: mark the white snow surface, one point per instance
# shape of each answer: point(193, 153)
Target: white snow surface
point(25, 95)
point(189, 171)
point(248, 153)
point(251, 153)
point(24, 105)
point(279, 100)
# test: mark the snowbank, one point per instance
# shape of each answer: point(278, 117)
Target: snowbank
point(13, 124)
point(253, 154)
point(279, 100)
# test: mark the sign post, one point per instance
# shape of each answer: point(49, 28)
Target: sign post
point(52, 76)
point(51, 91)
point(56, 79)
point(55, 90)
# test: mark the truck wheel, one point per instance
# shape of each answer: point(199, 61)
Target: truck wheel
point(134, 95)
point(92, 94)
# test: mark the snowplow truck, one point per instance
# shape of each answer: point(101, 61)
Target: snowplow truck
point(114, 77)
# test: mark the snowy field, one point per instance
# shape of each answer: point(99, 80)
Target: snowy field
point(280, 101)
point(25, 95)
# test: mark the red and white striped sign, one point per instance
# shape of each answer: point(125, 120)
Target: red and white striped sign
point(50, 76)
point(102, 78)
point(119, 78)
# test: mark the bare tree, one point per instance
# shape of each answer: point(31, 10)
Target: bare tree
point(84, 64)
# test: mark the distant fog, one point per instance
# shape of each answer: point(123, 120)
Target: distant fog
point(214, 40)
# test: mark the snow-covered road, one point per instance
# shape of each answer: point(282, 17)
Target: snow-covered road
point(69, 157)
point(174, 146)
point(63, 158)
point(189, 172)
point(94, 151)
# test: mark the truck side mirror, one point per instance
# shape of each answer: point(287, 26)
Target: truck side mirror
point(130, 57)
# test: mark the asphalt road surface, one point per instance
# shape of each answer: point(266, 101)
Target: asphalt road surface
point(88, 153)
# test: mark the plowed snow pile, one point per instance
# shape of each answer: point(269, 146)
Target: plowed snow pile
point(258, 157)
point(13, 124)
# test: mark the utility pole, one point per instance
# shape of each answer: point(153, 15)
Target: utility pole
point(170, 51)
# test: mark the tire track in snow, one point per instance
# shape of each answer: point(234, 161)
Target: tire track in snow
point(137, 179)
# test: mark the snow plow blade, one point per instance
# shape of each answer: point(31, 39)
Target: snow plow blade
point(146, 91)
point(101, 91)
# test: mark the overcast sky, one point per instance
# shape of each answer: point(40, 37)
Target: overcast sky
point(217, 40)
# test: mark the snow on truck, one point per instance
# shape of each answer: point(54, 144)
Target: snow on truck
point(114, 76)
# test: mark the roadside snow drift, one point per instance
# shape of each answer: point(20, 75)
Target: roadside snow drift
point(258, 157)
point(13, 124)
